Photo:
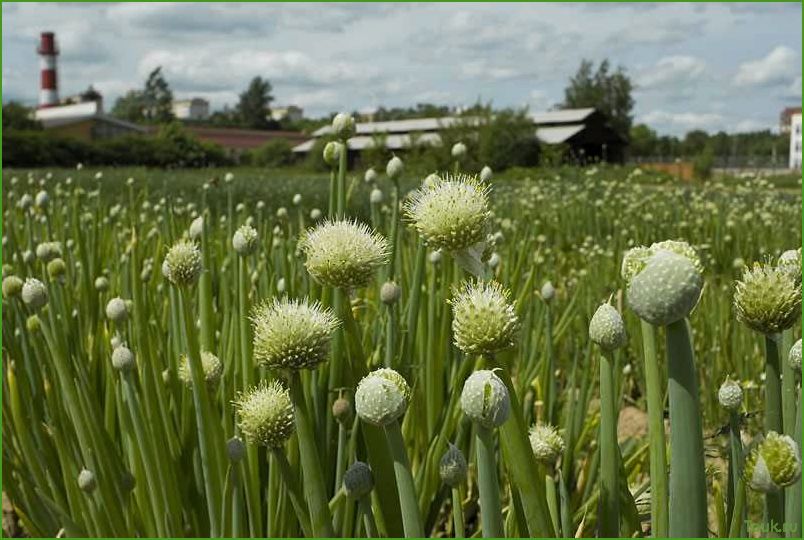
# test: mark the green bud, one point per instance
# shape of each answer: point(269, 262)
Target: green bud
point(452, 467)
point(773, 464)
point(485, 399)
point(382, 397)
point(358, 480)
point(607, 328)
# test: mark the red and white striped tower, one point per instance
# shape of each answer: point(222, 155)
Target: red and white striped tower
point(49, 86)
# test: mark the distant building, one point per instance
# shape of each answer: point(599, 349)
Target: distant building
point(236, 141)
point(586, 133)
point(785, 118)
point(795, 141)
point(191, 109)
point(291, 113)
point(85, 121)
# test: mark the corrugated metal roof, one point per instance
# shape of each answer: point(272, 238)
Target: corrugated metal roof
point(558, 134)
point(562, 116)
point(66, 121)
point(401, 126)
point(392, 142)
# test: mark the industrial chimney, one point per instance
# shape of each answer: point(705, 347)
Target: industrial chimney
point(49, 88)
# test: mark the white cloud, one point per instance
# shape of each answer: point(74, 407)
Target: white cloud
point(794, 90)
point(686, 120)
point(672, 71)
point(481, 69)
point(779, 66)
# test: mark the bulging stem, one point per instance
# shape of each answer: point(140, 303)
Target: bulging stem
point(658, 445)
point(774, 501)
point(488, 484)
point(688, 517)
point(609, 482)
point(411, 517)
point(314, 490)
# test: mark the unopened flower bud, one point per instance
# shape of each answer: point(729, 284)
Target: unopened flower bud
point(376, 196)
point(235, 449)
point(117, 310)
point(343, 125)
point(101, 284)
point(342, 410)
point(458, 150)
point(794, 358)
point(390, 292)
point(773, 464)
point(12, 286)
point(452, 467)
point(34, 293)
point(382, 397)
point(358, 480)
point(370, 177)
point(56, 269)
point(607, 328)
point(332, 153)
point(86, 481)
point(730, 395)
point(123, 359)
point(666, 289)
point(486, 174)
point(485, 399)
point(197, 228)
point(394, 168)
point(548, 292)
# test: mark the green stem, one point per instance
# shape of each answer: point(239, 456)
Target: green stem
point(788, 385)
point(688, 517)
point(333, 194)
point(737, 527)
point(294, 491)
point(490, 507)
point(793, 495)
point(550, 384)
point(341, 207)
point(368, 517)
point(517, 449)
point(552, 501)
point(735, 468)
point(457, 513)
point(774, 502)
point(311, 467)
point(658, 445)
point(204, 419)
point(411, 517)
point(609, 481)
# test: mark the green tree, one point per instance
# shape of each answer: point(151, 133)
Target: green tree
point(643, 141)
point(130, 106)
point(157, 98)
point(18, 116)
point(695, 142)
point(255, 104)
point(607, 91)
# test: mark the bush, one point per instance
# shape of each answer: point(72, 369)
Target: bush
point(275, 153)
point(173, 146)
point(702, 164)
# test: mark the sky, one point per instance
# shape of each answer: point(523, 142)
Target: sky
point(695, 66)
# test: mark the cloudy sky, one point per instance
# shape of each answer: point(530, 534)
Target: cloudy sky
point(711, 66)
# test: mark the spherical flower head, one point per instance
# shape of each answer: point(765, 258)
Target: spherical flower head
point(548, 292)
point(633, 262)
point(458, 150)
point(47, 251)
point(376, 196)
point(344, 254)
point(212, 366)
point(197, 228)
point(332, 152)
point(343, 125)
point(451, 214)
point(767, 299)
point(86, 481)
point(123, 359)
point(292, 334)
point(34, 293)
point(607, 328)
point(679, 247)
point(485, 399)
point(42, 198)
point(235, 449)
point(773, 464)
point(483, 320)
point(56, 268)
point(790, 261)
point(101, 284)
point(452, 467)
point(358, 480)
point(33, 324)
point(394, 168)
point(794, 358)
point(666, 290)
point(342, 410)
point(315, 214)
point(485, 174)
point(245, 240)
point(12, 286)
point(117, 310)
point(370, 176)
point(297, 199)
point(183, 265)
point(546, 442)
point(390, 293)
point(282, 213)
point(266, 414)
point(382, 397)
point(730, 395)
